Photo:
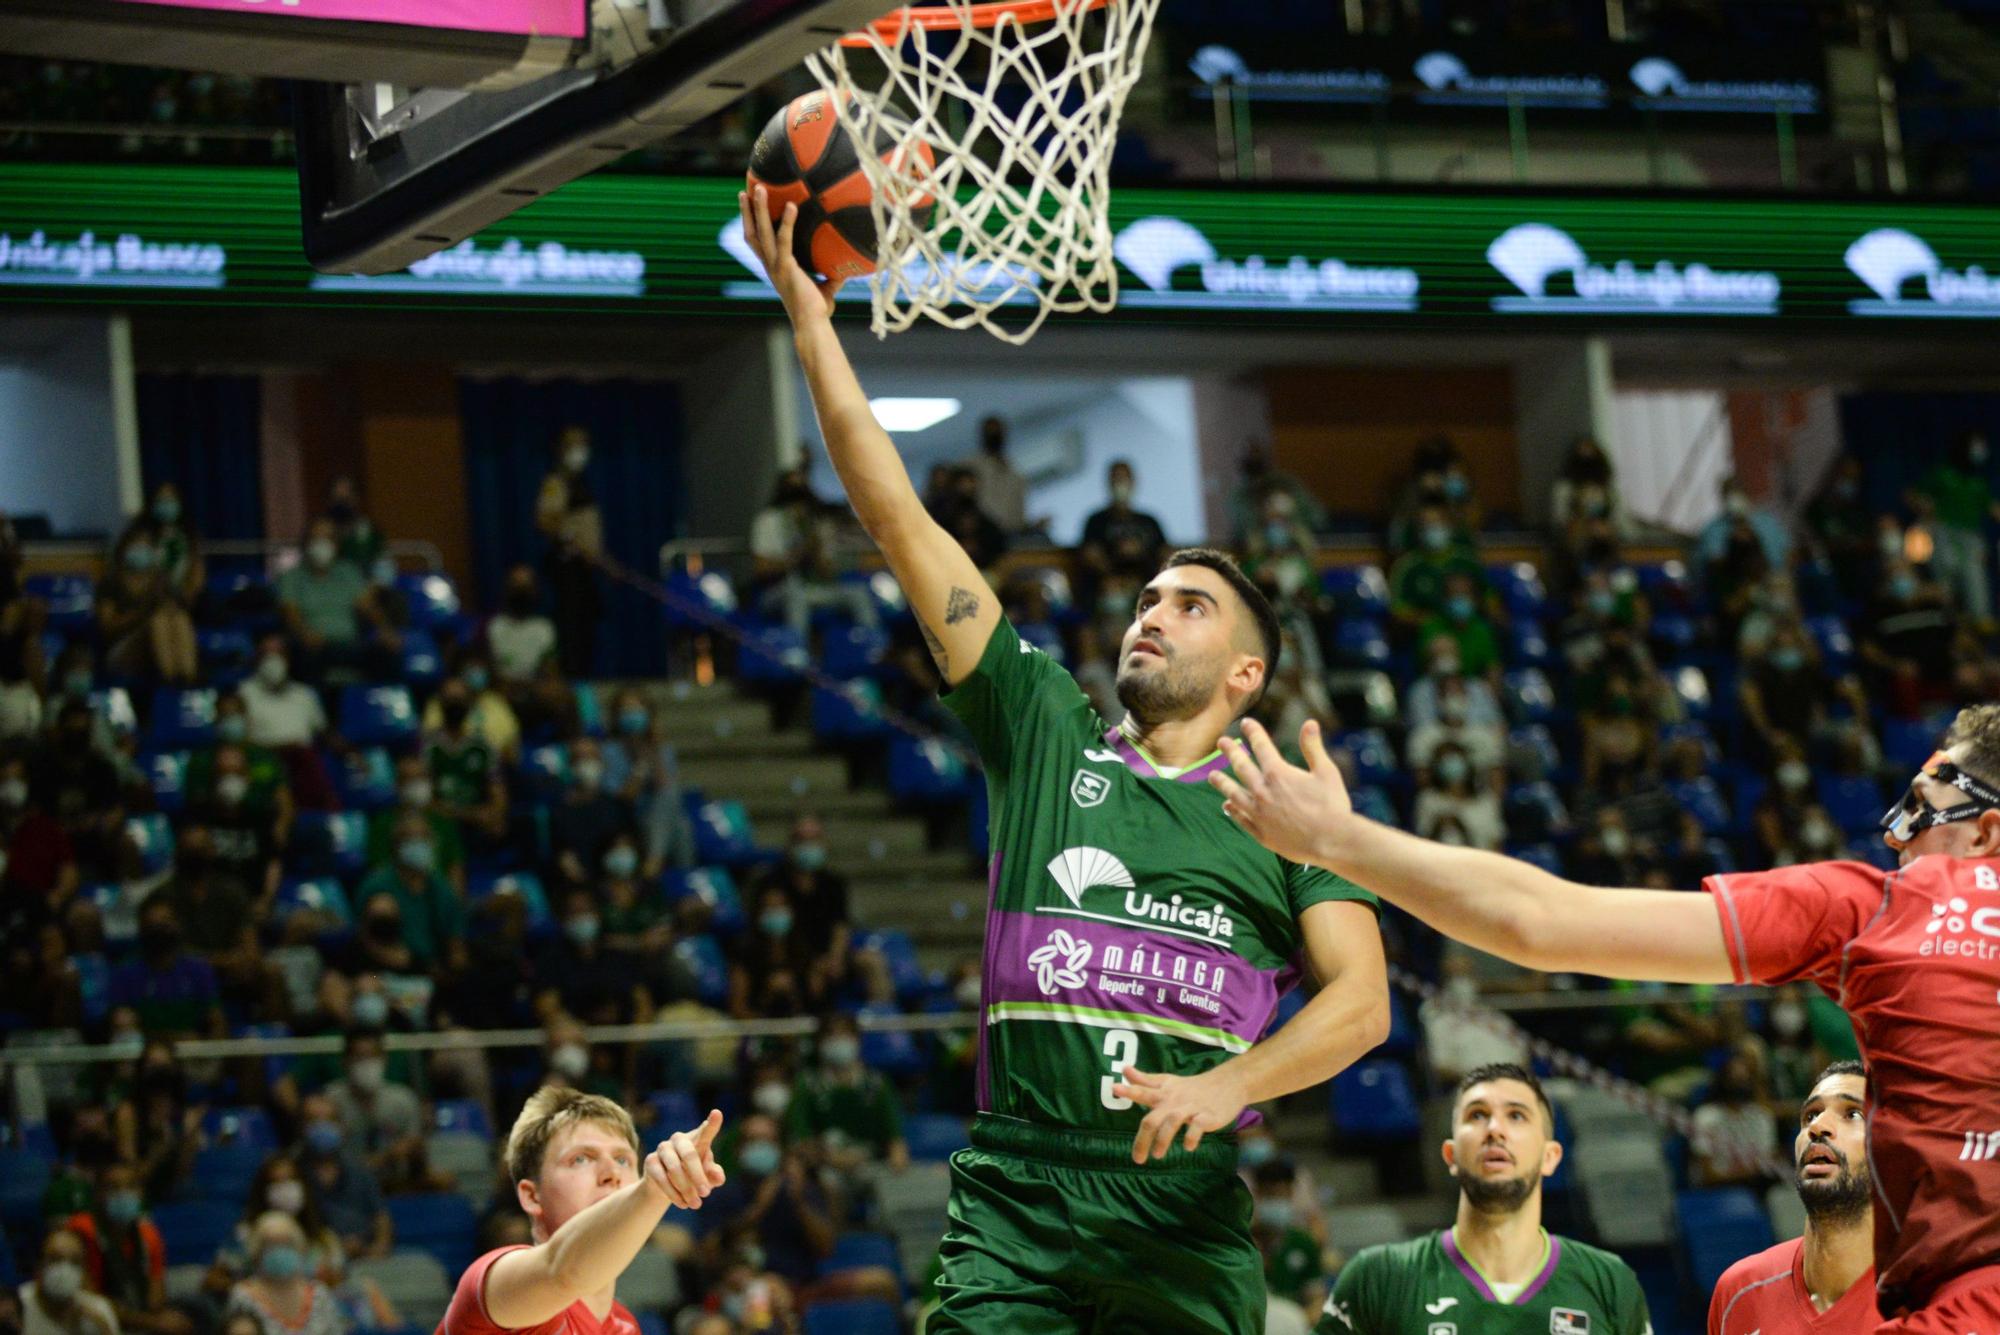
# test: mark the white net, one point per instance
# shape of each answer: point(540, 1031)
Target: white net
point(1020, 118)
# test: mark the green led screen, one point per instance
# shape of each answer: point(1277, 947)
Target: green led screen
point(136, 236)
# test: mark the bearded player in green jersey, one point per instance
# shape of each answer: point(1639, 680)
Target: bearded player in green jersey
point(1137, 942)
point(1496, 1270)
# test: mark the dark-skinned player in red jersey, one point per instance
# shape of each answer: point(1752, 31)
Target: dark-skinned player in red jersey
point(1912, 955)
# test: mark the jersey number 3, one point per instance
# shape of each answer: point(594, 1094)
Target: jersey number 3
point(1122, 1047)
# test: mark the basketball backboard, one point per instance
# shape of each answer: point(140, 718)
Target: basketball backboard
point(390, 174)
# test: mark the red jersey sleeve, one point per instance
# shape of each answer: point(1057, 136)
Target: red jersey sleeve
point(1794, 923)
point(467, 1313)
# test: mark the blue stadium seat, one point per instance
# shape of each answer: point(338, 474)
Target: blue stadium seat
point(1673, 634)
point(182, 719)
point(1526, 696)
point(323, 896)
point(1535, 811)
point(1546, 856)
point(1532, 750)
point(438, 1222)
point(853, 1316)
point(935, 1136)
point(224, 1172)
point(722, 834)
point(1527, 644)
point(423, 662)
point(1520, 588)
point(848, 650)
point(1373, 1100)
point(463, 1115)
point(1374, 802)
point(1360, 641)
point(852, 1251)
point(365, 779)
point(690, 595)
point(1402, 1037)
point(853, 714)
point(1836, 645)
point(1357, 590)
point(702, 957)
point(899, 954)
point(329, 843)
point(1908, 743)
point(1703, 797)
point(1665, 585)
point(250, 1126)
point(242, 599)
point(546, 768)
point(1374, 758)
point(894, 1052)
point(1718, 1227)
point(1747, 787)
point(1854, 801)
point(771, 654)
point(226, 652)
point(378, 716)
point(24, 1176)
point(674, 1109)
point(195, 1230)
point(166, 775)
point(926, 772)
point(153, 837)
point(72, 600)
point(713, 886)
point(434, 603)
point(1045, 637)
point(525, 884)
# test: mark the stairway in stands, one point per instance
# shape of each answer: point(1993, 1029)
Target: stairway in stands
point(729, 748)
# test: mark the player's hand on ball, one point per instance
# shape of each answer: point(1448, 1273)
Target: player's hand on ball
point(799, 291)
point(1291, 811)
point(683, 1167)
point(1194, 1104)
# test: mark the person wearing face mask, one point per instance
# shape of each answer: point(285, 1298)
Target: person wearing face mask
point(589, 817)
point(243, 835)
point(55, 1301)
point(817, 897)
point(1788, 798)
point(578, 975)
point(172, 991)
point(642, 767)
point(1484, 744)
point(1423, 704)
point(213, 906)
point(269, 789)
point(143, 602)
point(772, 1199)
point(281, 1291)
point(1841, 522)
point(771, 970)
point(74, 783)
point(383, 1120)
point(1120, 548)
point(1735, 1138)
point(520, 639)
point(1293, 1272)
point(349, 1195)
point(1453, 790)
point(431, 910)
point(1464, 619)
point(281, 1185)
point(634, 920)
point(1904, 638)
point(1417, 580)
point(998, 488)
point(330, 611)
point(466, 777)
point(845, 1112)
point(489, 715)
point(1955, 501)
point(38, 871)
point(416, 795)
point(358, 539)
point(280, 712)
point(567, 514)
point(796, 561)
point(125, 1258)
point(1737, 517)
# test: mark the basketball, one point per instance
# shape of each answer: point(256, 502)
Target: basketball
point(805, 157)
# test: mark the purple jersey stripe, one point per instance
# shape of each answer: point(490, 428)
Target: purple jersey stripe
point(1465, 1267)
point(1143, 767)
point(1541, 1281)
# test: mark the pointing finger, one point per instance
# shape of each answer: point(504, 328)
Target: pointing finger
point(704, 1135)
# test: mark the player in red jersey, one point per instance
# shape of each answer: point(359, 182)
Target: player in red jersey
point(592, 1204)
point(1912, 955)
point(1824, 1282)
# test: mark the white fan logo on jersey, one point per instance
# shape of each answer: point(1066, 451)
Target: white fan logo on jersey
point(1060, 963)
point(1079, 869)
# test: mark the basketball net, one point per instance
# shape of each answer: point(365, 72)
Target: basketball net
point(1021, 115)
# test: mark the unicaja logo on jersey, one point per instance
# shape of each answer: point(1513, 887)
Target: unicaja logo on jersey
point(1060, 962)
point(1888, 259)
point(1532, 255)
point(1079, 869)
point(1955, 916)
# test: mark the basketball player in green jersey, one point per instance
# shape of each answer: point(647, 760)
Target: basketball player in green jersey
point(1137, 942)
point(1496, 1270)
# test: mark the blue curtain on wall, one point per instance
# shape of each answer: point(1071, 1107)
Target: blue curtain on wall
point(636, 436)
point(202, 433)
point(1899, 437)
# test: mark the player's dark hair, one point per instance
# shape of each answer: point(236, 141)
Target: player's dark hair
point(1977, 731)
point(1268, 633)
point(1842, 1067)
point(1479, 1075)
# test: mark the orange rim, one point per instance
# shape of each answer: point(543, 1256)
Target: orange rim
point(893, 27)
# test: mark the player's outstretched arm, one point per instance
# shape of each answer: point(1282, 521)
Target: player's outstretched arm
point(1501, 905)
point(1348, 1017)
point(946, 591)
point(587, 1254)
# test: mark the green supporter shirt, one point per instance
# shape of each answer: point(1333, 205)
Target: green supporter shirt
point(1416, 582)
point(1428, 1287)
point(433, 917)
point(1478, 647)
point(462, 769)
point(325, 599)
point(859, 1112)
point(446, 843)
point(1292, 1264)
point(1962, 498)
point(1129, 920)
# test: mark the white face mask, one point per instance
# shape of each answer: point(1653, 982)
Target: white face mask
point(575, 457)
point(1788, 1018)
point(772, 1099)
point(319, 553)
point(62, 1280)
point(232, 788)
point(273, 670)
point(289, 1196)
point(1616, 841)
point(368, 1073)
point(570, 1061)
point(417, 793)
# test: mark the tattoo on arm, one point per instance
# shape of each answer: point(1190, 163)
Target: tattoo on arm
point(936, 647)
point(959, 606)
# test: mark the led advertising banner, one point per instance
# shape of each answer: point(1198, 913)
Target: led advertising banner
point(140, 236)
point(550, 18)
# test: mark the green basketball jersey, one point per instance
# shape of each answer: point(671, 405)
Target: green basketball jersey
point(1128, 919)
point(1428, 1287)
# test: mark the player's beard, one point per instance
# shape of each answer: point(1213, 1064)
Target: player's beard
point(1177, 689)
point(1844, 1196)
point(1497, 1195)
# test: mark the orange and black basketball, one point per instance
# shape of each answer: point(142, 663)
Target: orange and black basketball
point(804, 157)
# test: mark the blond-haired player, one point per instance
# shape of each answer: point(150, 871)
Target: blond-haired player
point(592, 1203)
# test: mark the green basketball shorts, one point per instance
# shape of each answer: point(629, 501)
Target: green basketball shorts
point(1057, 1232)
